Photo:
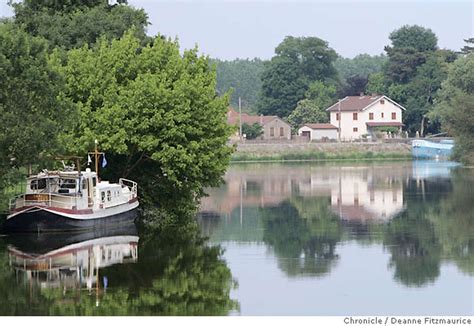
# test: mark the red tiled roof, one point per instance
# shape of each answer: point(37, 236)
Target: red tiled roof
point(354, 103)
point(384, 124)
point(233, 118)
point(320, 126)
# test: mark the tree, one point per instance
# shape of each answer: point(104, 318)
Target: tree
point(321, 95)
point(252, 131)
point(243, 77)
point(307, 111)
point(456, 106)
point(410, 45)
point(469, 47)
point(33, 111)
point(376, 84)
point(286, 77)
point(155, 111)
point(70, 24)
point(361, 65)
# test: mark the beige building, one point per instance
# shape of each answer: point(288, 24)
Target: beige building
point(318, 131)
point(357, 116)
point(274, 128)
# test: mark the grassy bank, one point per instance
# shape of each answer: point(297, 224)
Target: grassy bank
point(249, 152)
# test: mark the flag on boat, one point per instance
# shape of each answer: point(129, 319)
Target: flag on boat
point(89, 160)
point(104, 161)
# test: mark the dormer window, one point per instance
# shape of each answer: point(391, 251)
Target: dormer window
point(382, 101)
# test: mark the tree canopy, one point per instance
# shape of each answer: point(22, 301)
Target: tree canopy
point(287, 76)
point(71, 24)
point(152, 107)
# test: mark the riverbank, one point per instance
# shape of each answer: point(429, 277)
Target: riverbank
point(262, 152)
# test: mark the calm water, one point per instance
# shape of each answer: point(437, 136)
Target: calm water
point(283, 239)
point(307, 239)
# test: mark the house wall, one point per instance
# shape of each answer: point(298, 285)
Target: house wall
point(276, 124)
point(317, 134)
point(348, 123)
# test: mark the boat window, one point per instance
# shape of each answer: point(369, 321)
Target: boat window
point(109, 195)
point(67, 183)
point(84, 184)
point(38, 184)
point(102, 196)
point(94, 181)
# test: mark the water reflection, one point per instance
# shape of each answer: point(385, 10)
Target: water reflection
point(114, 272)
point(420, 213)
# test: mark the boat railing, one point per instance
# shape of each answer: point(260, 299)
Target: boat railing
point(44, 200)
point(132, 185)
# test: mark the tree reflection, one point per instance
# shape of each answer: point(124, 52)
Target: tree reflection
point(303, 233)
point(176, 273)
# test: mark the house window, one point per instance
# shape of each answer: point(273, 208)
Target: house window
point(272, 132)
point(109, 195)
point(281, 131)
point(371, 116)
point(381, 114)
point(355, 129)
point(354, 116)
point(394, 115)
point(337, 116)
point(382, 101)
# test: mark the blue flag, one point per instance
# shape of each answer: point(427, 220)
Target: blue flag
point(104, 161)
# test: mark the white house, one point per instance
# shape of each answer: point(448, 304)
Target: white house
point(318, 131)
point(361, 115)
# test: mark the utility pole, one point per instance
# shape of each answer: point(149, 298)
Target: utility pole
point(339, 113)
point(240, 119)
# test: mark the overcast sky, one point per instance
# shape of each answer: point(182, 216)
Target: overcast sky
point(247, 29)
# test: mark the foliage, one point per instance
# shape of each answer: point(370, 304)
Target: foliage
point(154, 111)
point(33, 111)
point(469, 47)
point(243, 77)
point(456, 106)
point(376, 84)
point(321, 94)
point(354, 85)
point(71, 24)
point(307, 111)
point(413, 75)
point(361, 65)
point(252, 131)
point(286, 77)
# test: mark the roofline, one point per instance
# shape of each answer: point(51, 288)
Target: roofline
point(336, 103)
point(383, 97)
point(370, 104)
point(306, 125)
point(276, 117)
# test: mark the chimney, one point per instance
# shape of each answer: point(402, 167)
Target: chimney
point(361, 94)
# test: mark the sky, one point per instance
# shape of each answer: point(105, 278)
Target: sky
point(228, 29)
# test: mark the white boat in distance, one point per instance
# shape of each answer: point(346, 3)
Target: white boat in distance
point(72, 200)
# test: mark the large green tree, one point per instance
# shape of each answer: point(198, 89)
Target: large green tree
point(70, 24)
point(413, 75)
point(286, 77)
point(456, 106)
point(32, 110)
point(153, 110)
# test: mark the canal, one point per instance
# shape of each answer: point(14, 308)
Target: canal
point(392, 238)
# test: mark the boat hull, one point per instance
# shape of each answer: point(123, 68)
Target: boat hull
point(43, 220)
point(422, 149)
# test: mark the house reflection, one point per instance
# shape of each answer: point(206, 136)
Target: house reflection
point(73, 266)
point(355, 193)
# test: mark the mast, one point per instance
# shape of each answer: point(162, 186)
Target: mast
point(96, 153)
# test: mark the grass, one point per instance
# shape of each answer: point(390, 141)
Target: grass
point(320, 156)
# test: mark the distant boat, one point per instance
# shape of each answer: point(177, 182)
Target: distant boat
point(429, 150)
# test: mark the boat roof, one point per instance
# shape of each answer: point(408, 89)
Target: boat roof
point(58, 174)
